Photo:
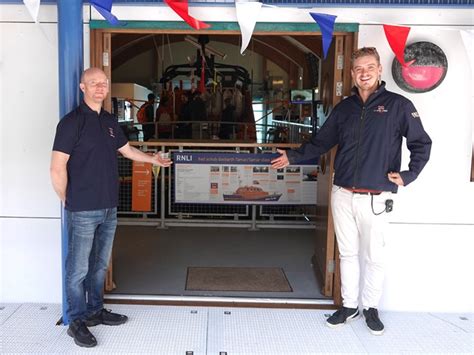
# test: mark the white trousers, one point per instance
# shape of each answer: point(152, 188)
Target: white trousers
point(360, 238)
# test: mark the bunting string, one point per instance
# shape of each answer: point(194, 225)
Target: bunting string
point(247, 13)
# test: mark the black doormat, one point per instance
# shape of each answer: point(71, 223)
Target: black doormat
point(246, 279)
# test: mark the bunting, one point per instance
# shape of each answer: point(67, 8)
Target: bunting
point(33, 8)
point(182, 9)
point(468, 39)
point(397, 39)
point(326, 24)
point(104, 7)
point(247, 14)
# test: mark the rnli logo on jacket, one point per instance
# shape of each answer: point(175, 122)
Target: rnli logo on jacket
point(380, 109)
point(111, 132)
point(415, 114)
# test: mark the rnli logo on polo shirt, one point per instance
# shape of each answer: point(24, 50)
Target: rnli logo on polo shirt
point(111, 132)
point(380, 109)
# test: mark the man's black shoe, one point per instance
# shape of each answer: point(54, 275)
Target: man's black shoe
point(373, 321)
point(105, 316)
point(82, 336)
point(342, 316)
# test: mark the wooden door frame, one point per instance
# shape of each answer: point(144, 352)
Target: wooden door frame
point(345, 40)
point(329, 273)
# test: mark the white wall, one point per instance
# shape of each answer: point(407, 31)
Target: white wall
point(30, 245)
point(30, 234)
point(30, 260)
point(430, 241)
point(429, 268)
point(433, 223)
point(29, 116)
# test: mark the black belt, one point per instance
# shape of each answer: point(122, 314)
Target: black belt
point(366, 193)
point(363, 192)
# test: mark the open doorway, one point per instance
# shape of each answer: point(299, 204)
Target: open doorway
point(273, 263)
point(278, 62)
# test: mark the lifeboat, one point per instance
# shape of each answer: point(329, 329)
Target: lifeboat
point(251, 193)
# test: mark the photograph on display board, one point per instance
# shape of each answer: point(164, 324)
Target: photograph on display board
point(251, 193)
point(310, 174)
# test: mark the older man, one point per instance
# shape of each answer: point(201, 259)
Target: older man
point(368, 128)
point(84, 174)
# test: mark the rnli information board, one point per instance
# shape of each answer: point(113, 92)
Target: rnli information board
point(241, 178)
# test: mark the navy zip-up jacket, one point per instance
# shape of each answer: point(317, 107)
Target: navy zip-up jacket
point(369, 139)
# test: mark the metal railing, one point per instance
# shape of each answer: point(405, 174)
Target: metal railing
point(277, 132)
point(165, 211)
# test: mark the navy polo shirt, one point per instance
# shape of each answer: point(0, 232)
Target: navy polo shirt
point(91, 140)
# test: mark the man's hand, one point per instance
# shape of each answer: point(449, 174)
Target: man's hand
point(133, 153)
point(159, 159)
point(281, 161)
point(396, 178)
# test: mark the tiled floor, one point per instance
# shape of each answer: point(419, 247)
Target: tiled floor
point(167, 330)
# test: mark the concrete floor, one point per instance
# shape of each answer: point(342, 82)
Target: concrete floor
point(184, 330)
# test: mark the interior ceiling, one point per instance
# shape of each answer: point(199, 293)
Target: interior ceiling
point(285, 51)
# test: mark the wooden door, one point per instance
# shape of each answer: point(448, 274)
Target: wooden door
point(101, 56)
point(335, 84)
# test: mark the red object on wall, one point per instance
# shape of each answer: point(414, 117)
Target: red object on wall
point(426, 69)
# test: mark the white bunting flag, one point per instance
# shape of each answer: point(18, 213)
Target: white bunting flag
point(33, 7)
point(247, 14)
point(468, 39)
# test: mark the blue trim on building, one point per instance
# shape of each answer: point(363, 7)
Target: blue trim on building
point(71, 65)
point(300, 3)
point(323, 2)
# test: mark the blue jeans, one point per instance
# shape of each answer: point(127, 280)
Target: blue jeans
point(91, 236)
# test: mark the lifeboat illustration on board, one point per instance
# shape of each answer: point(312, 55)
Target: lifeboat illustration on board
point(251, 193)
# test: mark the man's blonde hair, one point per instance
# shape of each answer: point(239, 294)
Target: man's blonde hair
point(365, 51)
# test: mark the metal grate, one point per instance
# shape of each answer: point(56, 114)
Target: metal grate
point(166, 210)
point(125, 190)
point(299, 211)
point(170, 330)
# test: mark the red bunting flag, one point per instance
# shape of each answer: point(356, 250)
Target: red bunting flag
point(397, 39)
point(181, 8)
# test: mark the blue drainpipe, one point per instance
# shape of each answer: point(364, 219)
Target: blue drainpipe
point(71, 65)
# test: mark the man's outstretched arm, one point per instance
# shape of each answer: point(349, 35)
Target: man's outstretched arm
point(133, 153)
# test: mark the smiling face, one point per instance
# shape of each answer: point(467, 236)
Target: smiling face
point(366, 71)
